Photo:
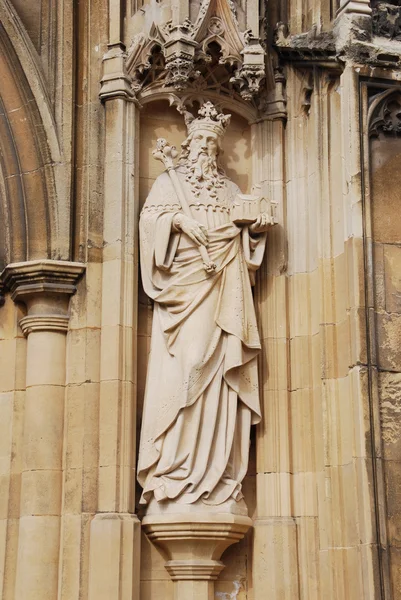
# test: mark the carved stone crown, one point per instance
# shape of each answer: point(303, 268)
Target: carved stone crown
point(208, 118)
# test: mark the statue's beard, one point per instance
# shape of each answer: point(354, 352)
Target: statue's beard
point(203, 172)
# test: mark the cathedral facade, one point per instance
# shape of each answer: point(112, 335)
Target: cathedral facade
point(313, 90)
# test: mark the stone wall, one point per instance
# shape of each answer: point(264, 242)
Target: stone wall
point(383, 215)
point(324, 477)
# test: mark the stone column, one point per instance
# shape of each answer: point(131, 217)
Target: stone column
point(114, 556)
point(45, 288)
point(275, 561)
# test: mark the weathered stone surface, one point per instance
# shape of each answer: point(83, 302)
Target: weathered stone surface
point(386, 19)
point(388, 339)
point(392, 268)
point(390, 413)
point(395, 558)
point(393, 488)
point(386, 181)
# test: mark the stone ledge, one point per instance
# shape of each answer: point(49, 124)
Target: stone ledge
point(41, 276)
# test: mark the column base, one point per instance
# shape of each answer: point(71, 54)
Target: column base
point(192, 545)
point(114, 557)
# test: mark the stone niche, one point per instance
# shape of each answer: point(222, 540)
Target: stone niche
point(385, 182)
point(158, 119)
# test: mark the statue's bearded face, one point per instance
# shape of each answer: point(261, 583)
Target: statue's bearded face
point(199, 154)
point(204, 142)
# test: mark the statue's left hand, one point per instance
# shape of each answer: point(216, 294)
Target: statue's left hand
point(262, 223)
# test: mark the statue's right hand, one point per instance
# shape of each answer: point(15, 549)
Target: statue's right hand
point(193, 229)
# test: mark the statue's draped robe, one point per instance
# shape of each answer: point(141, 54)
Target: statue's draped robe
point(202, 383)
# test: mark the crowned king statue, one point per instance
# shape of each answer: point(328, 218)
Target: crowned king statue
point(201, 393)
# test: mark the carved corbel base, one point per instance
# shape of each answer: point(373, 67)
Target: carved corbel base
point(192, 545)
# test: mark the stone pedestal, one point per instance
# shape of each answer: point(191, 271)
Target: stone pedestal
point(192, 545)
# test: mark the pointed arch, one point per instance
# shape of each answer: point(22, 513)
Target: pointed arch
point(30, 153)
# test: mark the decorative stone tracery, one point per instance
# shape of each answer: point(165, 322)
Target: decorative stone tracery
point(385, 114)
point(190, 54)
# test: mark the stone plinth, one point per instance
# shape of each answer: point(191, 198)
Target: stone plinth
point(192, 545)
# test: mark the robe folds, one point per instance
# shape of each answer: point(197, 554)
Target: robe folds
point(201, 392)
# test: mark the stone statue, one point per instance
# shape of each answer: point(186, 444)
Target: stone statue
point(202, 385)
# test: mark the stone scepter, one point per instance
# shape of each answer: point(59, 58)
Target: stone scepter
point(166, 153)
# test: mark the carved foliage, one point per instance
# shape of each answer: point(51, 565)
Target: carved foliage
point(180, 70)
point(250, 75)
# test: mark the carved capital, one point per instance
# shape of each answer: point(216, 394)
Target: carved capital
point(45, 287)
point(41, 276)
